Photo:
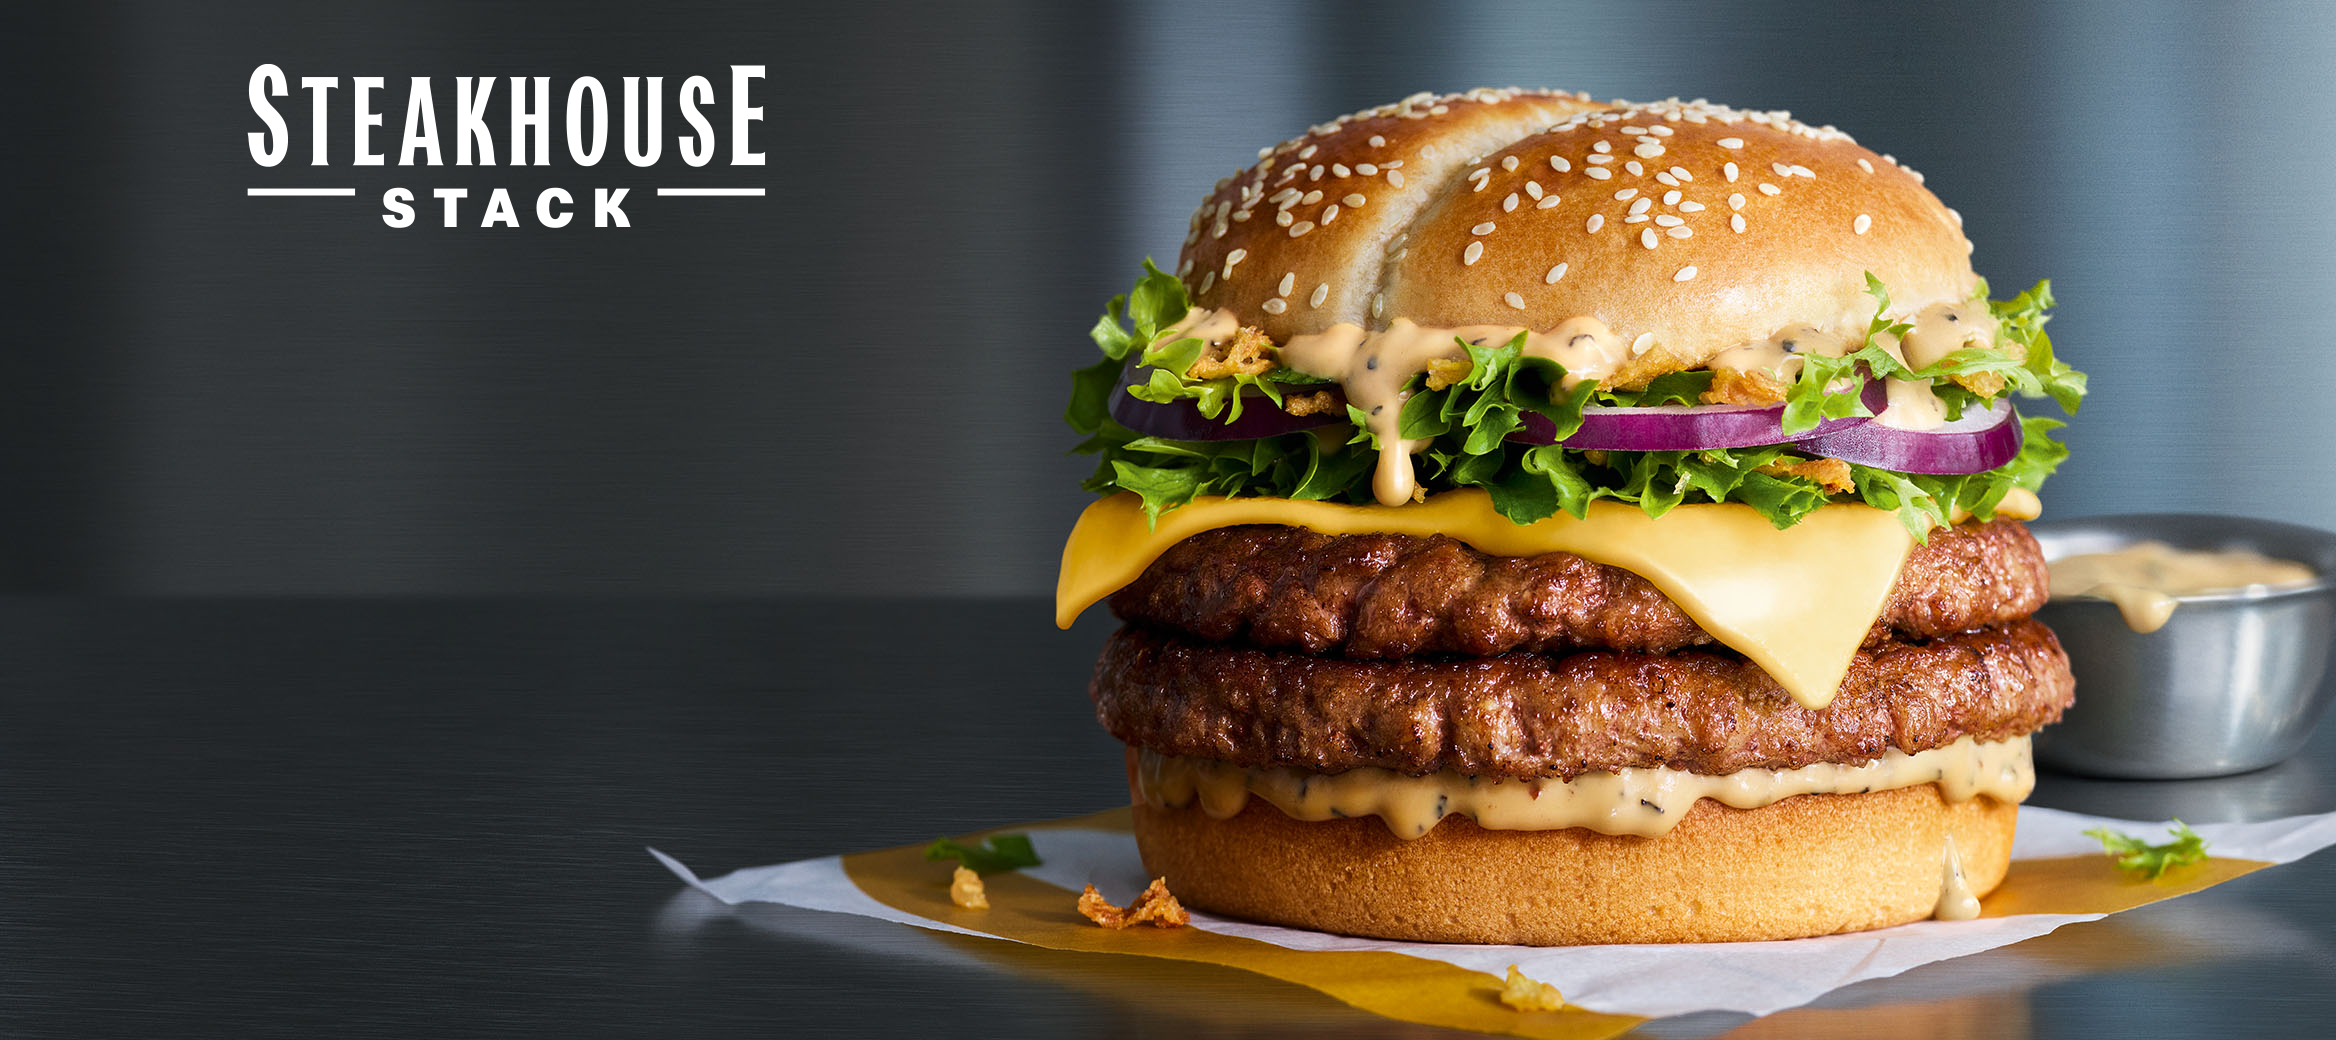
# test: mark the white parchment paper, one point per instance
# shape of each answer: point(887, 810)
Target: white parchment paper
point(1652, 981)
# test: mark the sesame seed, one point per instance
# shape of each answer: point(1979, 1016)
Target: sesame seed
point(1378, 141)
point(1639, 346)
point(1554, 274)
point(1547, 202)
point(1395, 177)
point(1770, 189)
point(1367, 170)
point(1284, 218)
point(1736, 223)
point(1648, 151)
point(1329, 213)
point(1321, 293)
point(1642, 205)
point(1671, 198)
point(1533, 188)
point(1482, 229)
point(1509, 205)
point(1861, 223)
point(1635, 169)
point(1597, 220)
point(1781, 169)
point(1480, 184)
point(1276, 305)
point(1598, 160)
point(1667, 220)
point(1684, 274)
point(1691, 207)
point(1682, 174)
point(1736, 201)
point(1513, 300)
point(1353, 201)
point(1730, 170)
point(1397, 164)
point(1803, 171)
point(1662, 131)
point(1626, 194)
point(1289, 281)
point(1731, 143)
point(1558, 163)
point(1865, 165)
point(1599, 172)
point(1306, 152)
point(1472, 254)
point(1340, 169)
point(1310, 198)
point(1648, 238)
point(1958, 216)
point(1207, 280)
point(1601, 146)
point(1314, 174)
point(1234, 257)
point(1681, 232)
point(1378, 304)
point(1509, 163)
point(1635, 218)
point(1184, 269)
point(1666, 178)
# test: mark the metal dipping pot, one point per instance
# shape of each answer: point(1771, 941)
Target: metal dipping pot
point(2233, 682)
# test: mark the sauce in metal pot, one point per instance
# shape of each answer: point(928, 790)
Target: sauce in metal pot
point(2146, 579)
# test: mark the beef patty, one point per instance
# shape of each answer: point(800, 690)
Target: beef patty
point(1379, 596)
point(1526, 714)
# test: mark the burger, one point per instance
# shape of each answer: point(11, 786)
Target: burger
point(1537, 520)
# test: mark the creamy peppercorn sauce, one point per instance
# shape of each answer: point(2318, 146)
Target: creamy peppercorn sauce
point(1647, 802)
point(2146, 580)
point(1796, 602)
point(1372, 367)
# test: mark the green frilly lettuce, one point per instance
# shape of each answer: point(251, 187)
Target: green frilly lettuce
point(1466, 426)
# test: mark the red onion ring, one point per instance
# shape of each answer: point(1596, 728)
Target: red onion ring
point(1979, 441)
point(1681, 427)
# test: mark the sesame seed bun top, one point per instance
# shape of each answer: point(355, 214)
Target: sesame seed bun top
point(1697, 227)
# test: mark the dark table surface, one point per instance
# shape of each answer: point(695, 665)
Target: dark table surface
point(305, 818)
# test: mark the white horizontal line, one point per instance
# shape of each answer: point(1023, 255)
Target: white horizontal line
point(756, 192)
point(300, 191)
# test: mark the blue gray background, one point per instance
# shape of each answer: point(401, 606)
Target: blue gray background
point(854, 384)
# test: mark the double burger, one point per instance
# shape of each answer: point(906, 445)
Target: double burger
point(1539, 520)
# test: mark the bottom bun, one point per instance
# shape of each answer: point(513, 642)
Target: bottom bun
point(1809, 865)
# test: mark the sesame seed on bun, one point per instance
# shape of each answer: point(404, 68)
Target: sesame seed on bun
point(1688, 228)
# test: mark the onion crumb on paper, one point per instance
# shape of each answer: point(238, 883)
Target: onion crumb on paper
point(1526, 994)
point(965, 890)
point(1155, 907)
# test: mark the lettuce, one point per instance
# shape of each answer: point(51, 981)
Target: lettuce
point(2136, 856)
point(995, 853)
point(1465, 426)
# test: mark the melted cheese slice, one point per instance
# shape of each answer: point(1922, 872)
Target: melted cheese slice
point(1797, 602)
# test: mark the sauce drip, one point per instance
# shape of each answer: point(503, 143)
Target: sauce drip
point(1373, 368)
point(1646, 802)
point(2146, 579)
point(1956, 902)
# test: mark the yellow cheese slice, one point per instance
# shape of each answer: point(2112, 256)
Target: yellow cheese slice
point(1797, 602)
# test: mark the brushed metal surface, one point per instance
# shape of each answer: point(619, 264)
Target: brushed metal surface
point(383, 819)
